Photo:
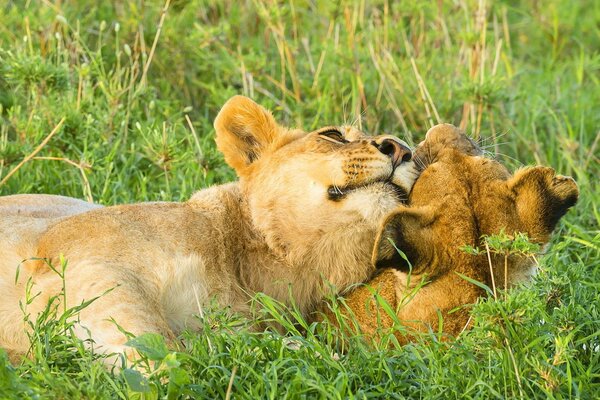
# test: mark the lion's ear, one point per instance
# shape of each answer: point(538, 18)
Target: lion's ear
point(244, 130)
point(408, 230)
point(542, 198)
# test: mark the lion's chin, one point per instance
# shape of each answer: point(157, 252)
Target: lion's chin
point(375, 200)
point(400, 193)
point(398, 185)
point(405, 177)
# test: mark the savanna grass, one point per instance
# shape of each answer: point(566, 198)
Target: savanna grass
point(138, 89)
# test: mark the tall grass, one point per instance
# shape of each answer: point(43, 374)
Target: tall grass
point(138, 89)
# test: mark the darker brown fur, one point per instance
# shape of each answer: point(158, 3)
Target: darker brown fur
point(459, 197)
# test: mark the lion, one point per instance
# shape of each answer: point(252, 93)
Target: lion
point(424, 274)
point(303, 215)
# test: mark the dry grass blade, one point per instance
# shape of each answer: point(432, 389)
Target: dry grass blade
point(425, 96)
point(230, 386)
point(489, 257)
point(591, 152)
point(87, 189)
point(34, 152)
point(163, 15)
point(195, 136)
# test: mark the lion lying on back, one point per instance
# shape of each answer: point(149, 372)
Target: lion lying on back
point(459, 197)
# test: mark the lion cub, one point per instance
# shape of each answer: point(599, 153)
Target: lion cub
point(459, 197)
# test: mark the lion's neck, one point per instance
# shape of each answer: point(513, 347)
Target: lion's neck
point(307, 268)
point(303, 265)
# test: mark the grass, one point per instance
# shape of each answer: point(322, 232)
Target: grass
point(138, 90)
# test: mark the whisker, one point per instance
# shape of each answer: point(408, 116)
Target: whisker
point(494, 145)
point(429, 155)
point(510, 158)
point(419, 163)
point(335, 185)
point(345, 113)
point(355, 123)
point(483, 140)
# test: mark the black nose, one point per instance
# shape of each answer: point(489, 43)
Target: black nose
point(395, 150)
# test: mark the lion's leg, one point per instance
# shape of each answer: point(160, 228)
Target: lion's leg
point(542, 198)
point(13, 334)
point(119, 304)
point(418, 307)
point(367, 317)
point(107, 321)
point(445, 297)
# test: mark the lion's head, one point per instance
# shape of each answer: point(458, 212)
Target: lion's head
point(462, 196)
point(305, 184)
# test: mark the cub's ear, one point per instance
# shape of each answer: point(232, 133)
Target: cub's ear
point(244, 130)
point(542, 198)
point(410, 231)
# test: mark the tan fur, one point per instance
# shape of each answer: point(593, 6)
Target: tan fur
point(275, 231)
point(459, 197)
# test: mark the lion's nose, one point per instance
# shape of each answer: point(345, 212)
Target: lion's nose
point(395, 150)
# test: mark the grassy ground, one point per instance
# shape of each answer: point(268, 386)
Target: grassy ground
point(133, 93)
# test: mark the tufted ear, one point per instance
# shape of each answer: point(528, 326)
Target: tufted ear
point(244, 131)
point(408, 230)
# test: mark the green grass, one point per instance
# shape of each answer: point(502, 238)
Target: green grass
point(525, 78)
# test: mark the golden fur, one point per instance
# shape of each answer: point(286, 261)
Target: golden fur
point(459, 197)
point(305, 211)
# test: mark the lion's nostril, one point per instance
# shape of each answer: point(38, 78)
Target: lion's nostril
point(395, 150)
point(387, 147)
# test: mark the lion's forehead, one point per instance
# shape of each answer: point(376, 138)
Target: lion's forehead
point(351, 133)
point(315, 147)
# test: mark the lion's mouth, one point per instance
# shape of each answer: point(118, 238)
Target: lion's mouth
point(336, 193)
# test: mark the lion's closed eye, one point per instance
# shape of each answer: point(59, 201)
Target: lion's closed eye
point(332, 135)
